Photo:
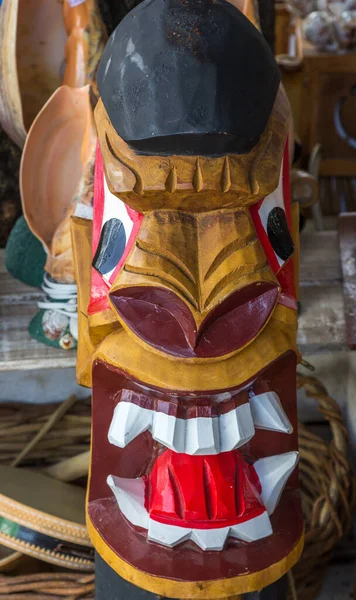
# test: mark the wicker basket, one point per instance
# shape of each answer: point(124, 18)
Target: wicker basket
point(328, 492)
point(48, 586)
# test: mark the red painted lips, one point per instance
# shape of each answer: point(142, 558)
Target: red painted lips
point(163, 320)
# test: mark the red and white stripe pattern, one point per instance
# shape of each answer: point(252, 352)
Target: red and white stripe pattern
point(106, 207)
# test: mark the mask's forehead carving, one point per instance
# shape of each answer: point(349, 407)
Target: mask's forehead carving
point(153, 182)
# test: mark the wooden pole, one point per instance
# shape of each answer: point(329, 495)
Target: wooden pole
point(110, 586)
point(71, 468)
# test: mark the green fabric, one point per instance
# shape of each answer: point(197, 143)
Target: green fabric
point(35, 330)
point(25, 257)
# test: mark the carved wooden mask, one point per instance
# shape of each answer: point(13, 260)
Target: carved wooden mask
point(188, 313)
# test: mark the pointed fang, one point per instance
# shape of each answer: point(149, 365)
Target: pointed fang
point(267, 413)
point(273, 473)
point(130, 496)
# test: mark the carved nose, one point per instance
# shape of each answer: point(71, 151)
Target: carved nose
point(160, 318)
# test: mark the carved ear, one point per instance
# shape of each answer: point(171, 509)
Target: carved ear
point(81, 230)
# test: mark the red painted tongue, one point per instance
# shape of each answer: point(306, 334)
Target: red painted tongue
point(203, 491)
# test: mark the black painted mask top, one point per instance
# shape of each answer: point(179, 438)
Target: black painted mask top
point(188, 77)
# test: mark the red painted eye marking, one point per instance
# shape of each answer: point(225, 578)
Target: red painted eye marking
point(279, 200)
point(106, 206)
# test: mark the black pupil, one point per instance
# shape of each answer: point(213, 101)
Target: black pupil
point(279, 234)
point(111, 246)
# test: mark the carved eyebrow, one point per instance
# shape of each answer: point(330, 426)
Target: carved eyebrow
point(138, 187)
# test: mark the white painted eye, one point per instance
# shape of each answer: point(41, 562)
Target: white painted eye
point(116, 230)
point(271, 222)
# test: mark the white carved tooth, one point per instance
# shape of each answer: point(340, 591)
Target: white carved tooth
point(267, 413)
point(273, 473)
point(130, 496)
point(129, 421)
point(167, 535)
point(236, 428)
point(202, 436)
point(163, 429)
point(180, 435)
point(210, 539)
point(254, 529)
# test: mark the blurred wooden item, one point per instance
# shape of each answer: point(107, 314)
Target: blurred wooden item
point(44, 518)
point(57, 172)
point(85, 43)
point(314, 170)
point(10, 559)
point(347, 232)
point(10, 201)
point(328, 491)
point(31, 57)
point(289, 56)
point(289, 41)
point(56, 175)
point(327, 109)
point(21, 423)
point(70, 469)
point(53, 420)
point(48, 586)
point(321, 88)
point(44, 41)
point(304, 188)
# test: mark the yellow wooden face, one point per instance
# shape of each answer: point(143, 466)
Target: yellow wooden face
point(188, 320)
point(201, 245)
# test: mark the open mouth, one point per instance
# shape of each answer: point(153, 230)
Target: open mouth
point(231, 498)
point(205, 467)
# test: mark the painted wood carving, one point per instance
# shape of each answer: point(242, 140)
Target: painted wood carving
point(57, 171)
point(41, 50)
point(187, 306)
